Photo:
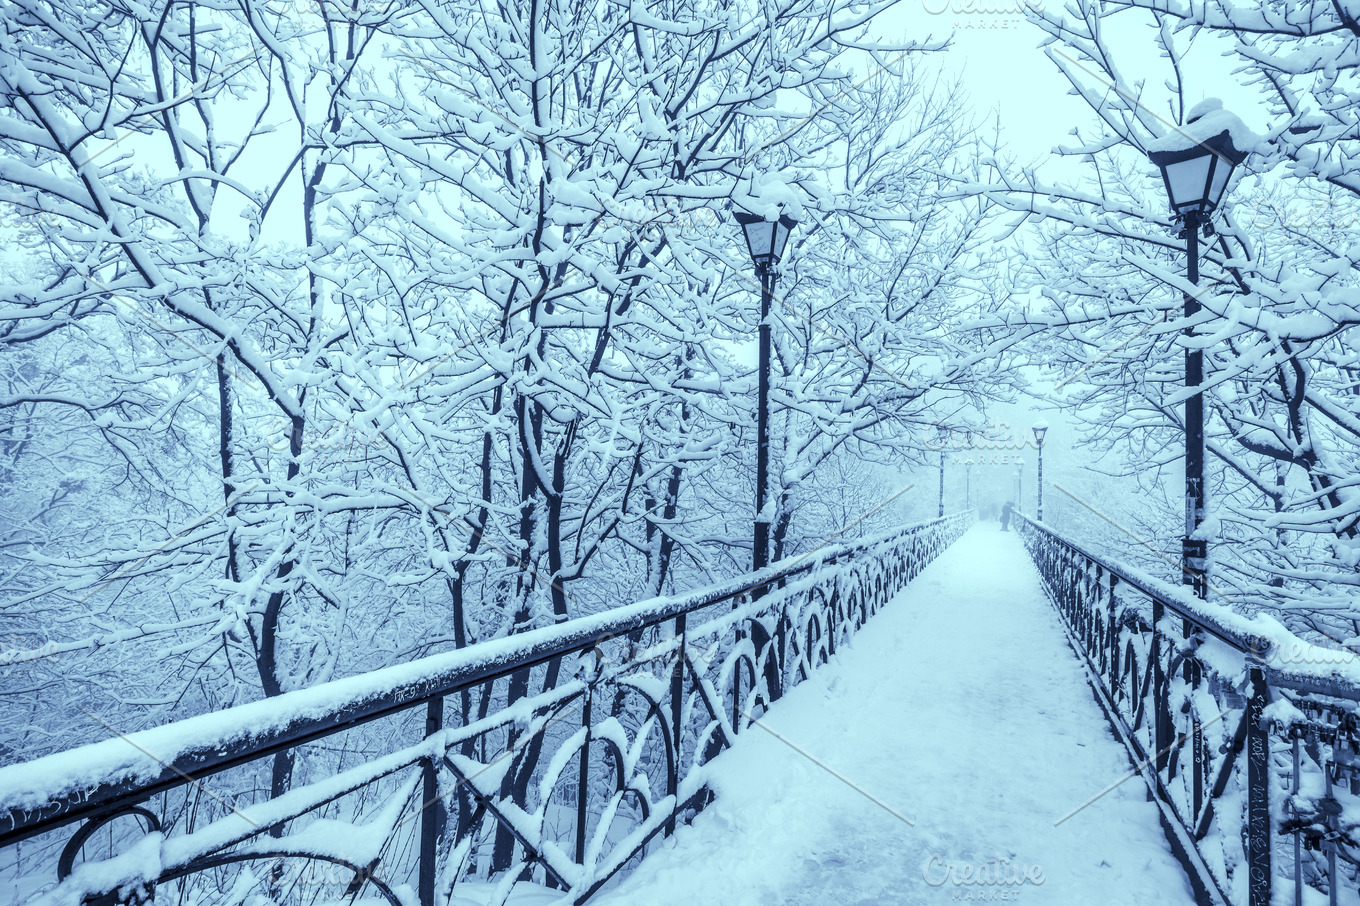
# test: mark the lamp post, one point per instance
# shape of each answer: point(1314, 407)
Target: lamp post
point(941, 434)
point(968, 473)
point(1040, 429)
point(766, 241)
point(1196, 163)
point(1020, 484)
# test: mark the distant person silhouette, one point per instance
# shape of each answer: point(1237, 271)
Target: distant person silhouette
point(1006, 516)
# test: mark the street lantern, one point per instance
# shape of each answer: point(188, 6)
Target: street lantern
point(1197, 161)
point(765, 239)
point(1196, 175)
point(1040, 428)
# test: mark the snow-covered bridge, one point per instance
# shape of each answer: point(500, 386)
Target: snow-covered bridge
point(952, 753)
point(746, 744)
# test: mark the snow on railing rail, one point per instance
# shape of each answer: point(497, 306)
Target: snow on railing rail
point(1189, 686)
point(553, 757)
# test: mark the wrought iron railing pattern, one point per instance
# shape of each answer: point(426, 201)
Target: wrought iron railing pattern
point(1245, 734)
point(554, 756)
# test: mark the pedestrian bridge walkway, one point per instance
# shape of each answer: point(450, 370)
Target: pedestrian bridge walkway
point(952, 753)
point(947, 713)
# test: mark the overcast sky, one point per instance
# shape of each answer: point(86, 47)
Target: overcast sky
point(1005, 72)
point(1006, 75)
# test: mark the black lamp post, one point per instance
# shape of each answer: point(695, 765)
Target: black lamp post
point(766, 240)
point(1040, 429)
point(968, 473)
point(1196, 163)
point(941, 434)
point(1196, 168)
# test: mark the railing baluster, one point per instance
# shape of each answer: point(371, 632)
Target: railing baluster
point(736, 694)
point(779, 654)
point(1330, 844)
point(583, 780)
point(1258, 793)
point(1088, 611)
point(1298, 841)
point(1161, 713)
point(677, 715)
point(1199, 760)
point(1113, 640)
point(432, 808)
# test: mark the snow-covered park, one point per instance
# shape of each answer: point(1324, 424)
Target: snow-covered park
point(457, 451)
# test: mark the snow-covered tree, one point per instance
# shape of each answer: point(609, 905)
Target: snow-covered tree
point(1277, 285)
point(345, 334)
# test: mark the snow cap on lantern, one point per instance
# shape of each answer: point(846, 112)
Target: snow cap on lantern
point(771, 212)
point(1198, 159)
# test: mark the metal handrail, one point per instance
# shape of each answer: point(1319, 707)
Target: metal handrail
point(1159, 660)
point(786, 617)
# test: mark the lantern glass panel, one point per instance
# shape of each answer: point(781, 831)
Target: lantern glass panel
point(758, 238)
point(1187, 180)
point(1218, 181)
point(782, 228)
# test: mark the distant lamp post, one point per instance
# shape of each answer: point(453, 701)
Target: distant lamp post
point(968, 473)
point(766, 241)
point(1040, 429)
point(941, 434)
point(1020, 484)
point(1196, 161)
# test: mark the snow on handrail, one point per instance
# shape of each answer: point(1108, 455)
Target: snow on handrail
point(51, 791)
point(1207, 701)
point(1261, 638)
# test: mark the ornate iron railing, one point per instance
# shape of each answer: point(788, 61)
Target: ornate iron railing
point(1189, 687)
point(552, 757)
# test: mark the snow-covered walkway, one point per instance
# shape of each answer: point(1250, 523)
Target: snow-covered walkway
point(960, 707)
